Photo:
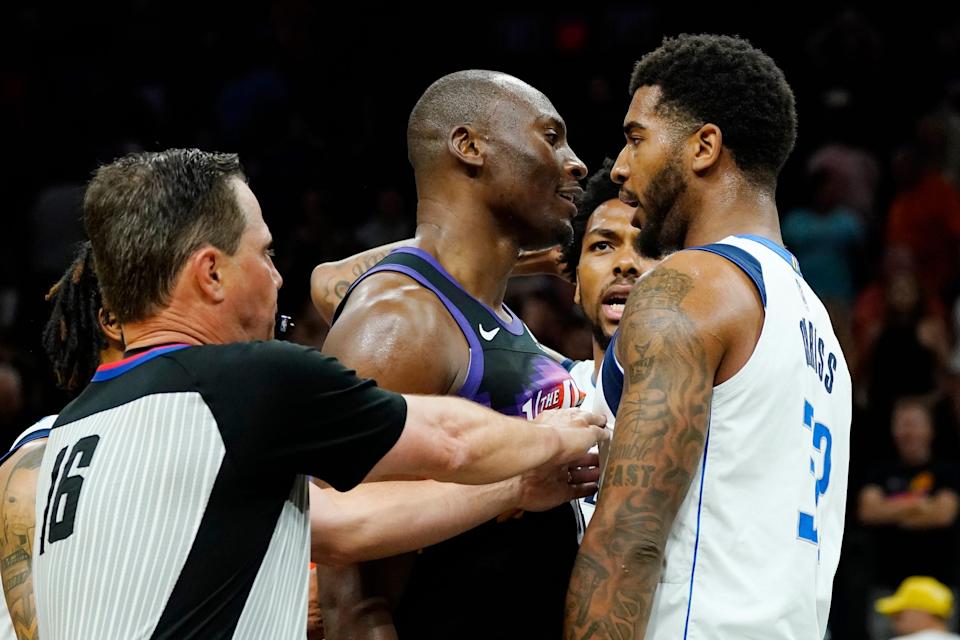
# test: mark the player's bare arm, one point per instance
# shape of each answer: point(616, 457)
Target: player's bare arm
point(16, 565)
point(381, 519)
point(456, 440)
point(384, 333)
point(330, 280)
point(672, 344)
point(540, 262)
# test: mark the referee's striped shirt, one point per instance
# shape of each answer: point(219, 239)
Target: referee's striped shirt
point(172, 500)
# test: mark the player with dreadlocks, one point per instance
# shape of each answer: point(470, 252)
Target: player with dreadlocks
point(79, 336)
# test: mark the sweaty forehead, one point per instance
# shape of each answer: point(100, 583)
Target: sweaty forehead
point(524, 99)
point(612, 215)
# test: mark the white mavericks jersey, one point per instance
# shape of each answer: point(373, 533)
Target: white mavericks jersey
point(606, 396)
point(756, 542)
point(582, 373)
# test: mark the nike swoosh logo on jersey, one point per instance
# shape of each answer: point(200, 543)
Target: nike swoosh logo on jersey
point(488, 335)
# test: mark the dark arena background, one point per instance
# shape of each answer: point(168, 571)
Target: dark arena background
point(315, 97)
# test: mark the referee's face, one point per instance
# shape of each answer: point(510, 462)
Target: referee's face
point(253, 280)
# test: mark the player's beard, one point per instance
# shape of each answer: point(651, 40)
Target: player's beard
point(602, 339)
point(665, 226)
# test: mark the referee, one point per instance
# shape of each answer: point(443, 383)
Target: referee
point(172, 500)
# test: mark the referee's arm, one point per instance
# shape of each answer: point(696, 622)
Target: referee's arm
point(455, 440)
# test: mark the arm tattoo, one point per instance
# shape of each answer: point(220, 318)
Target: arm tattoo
point(19, 497)
point(337, 287)
point(366, 262)
point(337, 291)
point(658, 441)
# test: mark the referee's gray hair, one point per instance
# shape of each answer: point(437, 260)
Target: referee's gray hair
point(146, 213)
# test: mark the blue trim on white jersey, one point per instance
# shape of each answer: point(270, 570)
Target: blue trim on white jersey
point(743, 259)
point(777, 249)
point(696, 540)
point(611, 374)
point(569, 364)
point(30, 437)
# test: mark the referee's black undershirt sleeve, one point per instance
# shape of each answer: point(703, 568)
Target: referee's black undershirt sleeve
point(289, 407)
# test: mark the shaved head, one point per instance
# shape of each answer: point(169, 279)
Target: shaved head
point(486, 141)
point(462, 98)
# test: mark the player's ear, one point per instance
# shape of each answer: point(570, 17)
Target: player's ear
point(467, 145)
point(705, 145)
point(576, 291)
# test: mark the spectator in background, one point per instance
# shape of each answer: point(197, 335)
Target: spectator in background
point(925, 216)
point(912, 504)
point(825, 237)
point(919, 610)
point(902, 351)
point(870, 310)
point(856, 173)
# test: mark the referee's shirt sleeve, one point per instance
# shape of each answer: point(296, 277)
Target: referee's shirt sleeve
point(292, 407)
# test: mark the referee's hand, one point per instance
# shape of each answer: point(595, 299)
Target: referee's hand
point(579, 430)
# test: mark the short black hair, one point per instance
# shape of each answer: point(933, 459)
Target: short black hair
point(72, 336)
point(726, 81)
point(599, 189)
point(147, 212)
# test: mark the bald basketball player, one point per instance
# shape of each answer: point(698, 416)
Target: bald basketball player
point(495, 175)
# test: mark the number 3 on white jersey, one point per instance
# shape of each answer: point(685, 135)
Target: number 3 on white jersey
point(822, 442)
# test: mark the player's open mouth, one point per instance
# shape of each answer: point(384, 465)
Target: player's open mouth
point(570, 193)
point(613, 302)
